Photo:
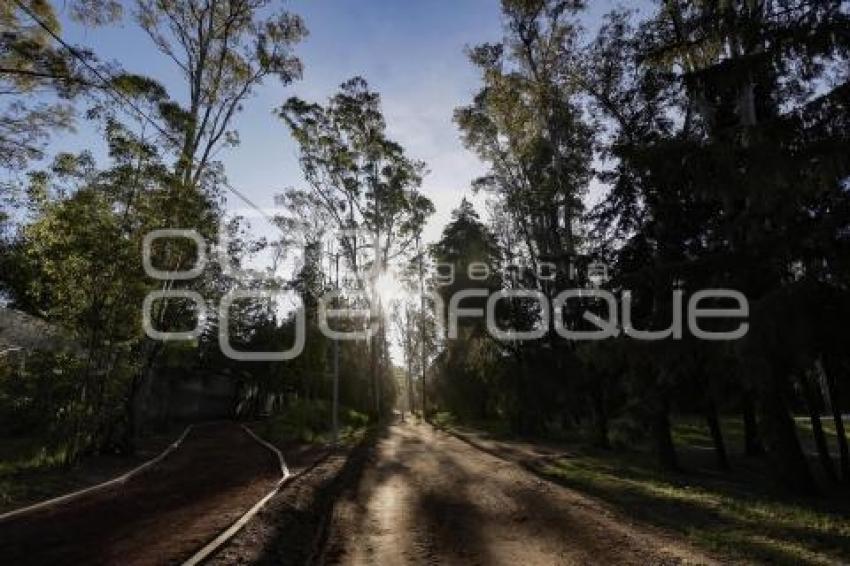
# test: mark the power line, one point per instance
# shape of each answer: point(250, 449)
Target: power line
point(116, 95)
point(120, 97)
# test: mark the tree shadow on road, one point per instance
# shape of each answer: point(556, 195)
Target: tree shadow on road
point(717, 515)
point(739, 514)
point(297, 527)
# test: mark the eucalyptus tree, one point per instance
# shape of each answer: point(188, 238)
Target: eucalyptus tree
point(405, 317)
point(75, 262)
point(223, 50)
point(527, 125)
point(366, 185)
point(31, 62)
point(363, 180)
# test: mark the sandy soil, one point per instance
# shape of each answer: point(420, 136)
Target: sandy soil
point(33, 486)
point(287, 530)
point(429, 498)
point(161, 516)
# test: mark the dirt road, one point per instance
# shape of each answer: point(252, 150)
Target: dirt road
point(429, 498)
point(162, 516)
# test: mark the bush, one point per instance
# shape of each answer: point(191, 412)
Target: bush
point(443, 419)
point(627, 432)
point(55, 397)
point(310, 421)
point(355, 419)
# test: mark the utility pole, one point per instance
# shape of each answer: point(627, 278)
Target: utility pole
point(335, 403)
point(422, 326)
point(408, 353)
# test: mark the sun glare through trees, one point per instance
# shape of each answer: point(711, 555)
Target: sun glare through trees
point(447, 282)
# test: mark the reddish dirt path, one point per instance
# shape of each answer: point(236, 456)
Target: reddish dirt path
point(430, 498)
point(161, 516)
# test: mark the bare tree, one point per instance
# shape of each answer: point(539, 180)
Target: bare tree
point(224, 49)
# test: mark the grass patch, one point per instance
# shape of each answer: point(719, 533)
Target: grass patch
point(443, 419)
point(692, 432)
point(720, 518)
point(494, 427)
point(28, 470)
point(309, 422)
point(739, 514)
point(31, 470)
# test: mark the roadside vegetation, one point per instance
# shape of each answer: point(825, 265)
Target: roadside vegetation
point(30, 472)
point(692, 146)
point(741, 515)
point(310, 423)
point(723, 157)
point(72, 227)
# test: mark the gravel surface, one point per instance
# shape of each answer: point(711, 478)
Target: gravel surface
point(413, 495)
point(161, 516)
point(427, 497)
point(292, 527)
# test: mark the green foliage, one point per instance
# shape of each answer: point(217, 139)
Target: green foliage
point(526, 124)
point(76, 260)
point(309, 421)
point(443, 419)
point(468, 380)
point(366, 189)
point(721, 143)
point(363, 180)
point(56, 398)
point(741, 516)
point(223, 50)
point(29, 61)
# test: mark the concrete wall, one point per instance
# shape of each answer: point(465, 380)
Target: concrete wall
point(27, 332)
point(181, 396)
point(190, 397)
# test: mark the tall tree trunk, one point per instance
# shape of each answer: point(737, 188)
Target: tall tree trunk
point(716, 434)
point(137, 396)
point(600, 418)
point(813, 403)
point(780, 435)
point(531, 423)
point(373, 370)
point(752, 440)
point(665, 449)
point(410, 403)
point(830, 369)
point(521, 421)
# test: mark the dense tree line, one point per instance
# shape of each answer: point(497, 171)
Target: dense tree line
point(715, 131)
point(718, 131)
point(73, 228)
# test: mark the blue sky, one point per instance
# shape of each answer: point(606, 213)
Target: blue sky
point(412, 52)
